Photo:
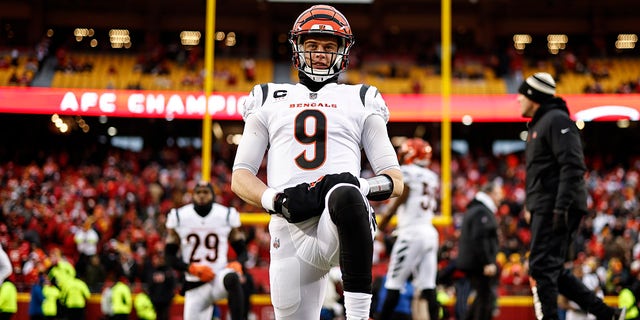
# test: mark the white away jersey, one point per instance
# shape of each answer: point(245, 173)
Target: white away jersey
point(307, 128)
point(422, 202)
point(204, 239)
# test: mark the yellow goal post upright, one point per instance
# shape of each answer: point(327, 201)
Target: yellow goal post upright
point(208, 88)
point(445, 150)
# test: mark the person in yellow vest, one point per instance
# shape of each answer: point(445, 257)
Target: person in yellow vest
point(61, 272)
point(51, 295)
point(626, 299)
point(60, 269)
point(142, 303)
point(8, 300)
point(121, 299)
point(75, 294)
point(443, 299)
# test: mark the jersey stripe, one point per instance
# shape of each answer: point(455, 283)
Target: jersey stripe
point(363, 92)
point(265, 90)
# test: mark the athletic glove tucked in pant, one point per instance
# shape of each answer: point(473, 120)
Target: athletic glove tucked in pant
point(306, 200)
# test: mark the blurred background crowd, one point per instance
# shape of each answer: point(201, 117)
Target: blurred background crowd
point(55, 207)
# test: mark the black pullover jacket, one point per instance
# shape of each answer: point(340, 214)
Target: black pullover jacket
point(555, 162)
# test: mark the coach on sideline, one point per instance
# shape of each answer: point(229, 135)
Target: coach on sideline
point(556, 196)
point(478, 248)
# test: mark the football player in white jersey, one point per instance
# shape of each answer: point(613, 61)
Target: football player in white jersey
point(315, 131)
point(198, 238)
point(415, 251)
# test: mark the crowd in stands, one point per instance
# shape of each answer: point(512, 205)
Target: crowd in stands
point(468, 64)
point(21, 72)
point(108, 216)
point(23, 63)
point(66, 62)
point(632, 86)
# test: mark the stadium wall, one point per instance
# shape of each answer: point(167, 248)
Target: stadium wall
point(511, 307)
point(227, 106)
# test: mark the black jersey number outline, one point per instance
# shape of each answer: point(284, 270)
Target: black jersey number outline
point(210, 242)
point(428, 202)
point(318, 139)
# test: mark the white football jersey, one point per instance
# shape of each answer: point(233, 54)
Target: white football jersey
point(422, 202)
point(307, 128)
point(205, 239)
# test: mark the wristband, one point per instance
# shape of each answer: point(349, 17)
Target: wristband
point(380, 187)
point(267, 199)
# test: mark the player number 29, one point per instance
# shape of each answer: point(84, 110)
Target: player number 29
point(210, 242)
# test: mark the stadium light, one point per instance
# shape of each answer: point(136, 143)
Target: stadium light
point(626, 41)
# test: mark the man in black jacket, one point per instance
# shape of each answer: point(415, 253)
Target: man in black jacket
point(162, 285)
point(478, 248)
point(556, 197)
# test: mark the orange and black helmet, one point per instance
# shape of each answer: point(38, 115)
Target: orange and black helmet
point(415, 151)
point(326, 21)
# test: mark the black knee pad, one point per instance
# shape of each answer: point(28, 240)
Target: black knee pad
point(235, 295)
point(350, 214)
point(345, 197)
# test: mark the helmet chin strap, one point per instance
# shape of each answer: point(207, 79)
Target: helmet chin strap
point(321, 75)
point(318, 78)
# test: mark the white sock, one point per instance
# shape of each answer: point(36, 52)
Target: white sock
point(357, 305)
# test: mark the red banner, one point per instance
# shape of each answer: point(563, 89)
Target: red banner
point(226, 106)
